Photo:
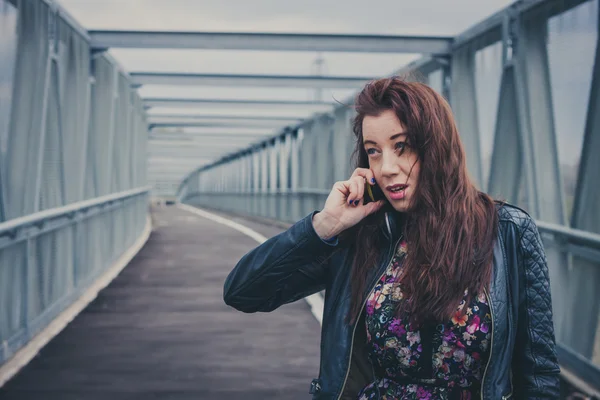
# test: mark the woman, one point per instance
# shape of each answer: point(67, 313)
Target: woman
point(433, 291)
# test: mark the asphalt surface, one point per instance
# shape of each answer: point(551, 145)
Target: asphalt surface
point(161, 330)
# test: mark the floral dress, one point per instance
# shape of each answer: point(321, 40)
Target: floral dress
point(444, 361)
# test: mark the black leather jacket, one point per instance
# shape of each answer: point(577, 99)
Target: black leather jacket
point(297, 263)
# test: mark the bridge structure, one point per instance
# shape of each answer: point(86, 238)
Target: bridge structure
point(107, 291)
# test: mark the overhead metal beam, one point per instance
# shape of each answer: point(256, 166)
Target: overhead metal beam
point(489, 30)
point(215, 131)
point(165, 169)
point(172, 172)
point(190, 157)
point(223, 123)
point(173, 162)
point(187, 136)
point(190, 144)
point(270, 41)
point(298, 81)
point(213, 156)
point(191, 121)
point(191, 153)
point(236, 117)
point(173, 147)
point(166, 179)
point(194, 150)
point(204, 103)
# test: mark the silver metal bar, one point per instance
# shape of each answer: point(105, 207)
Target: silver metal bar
point(39, 217)
point(42, 141)
point(31, 231)
point(87, 108)
point(108, 182)
point(464, 106)
point(270, 41)
point(198, 154)
point(299, 191)
point(587, 194)
point(171, 167)
point(539, 137)
point(61, 12)
point(229, 103)
point(215, 131)
point(218, 123)
point(2, 191)
point(191, 144)
point(167, 169)
point(492, 26)
point(187, 136)
point(590, 254)
point(425, 65)
point(63, 161)
point(580, 366)
point(592, 239)
point(154, 117)
point(300, 81)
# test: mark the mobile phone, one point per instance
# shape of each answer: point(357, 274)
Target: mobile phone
point(373, 193)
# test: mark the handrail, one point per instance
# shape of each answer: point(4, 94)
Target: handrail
point(589, 238)
point(58, 212)
point(579, 365)
point(322, 192)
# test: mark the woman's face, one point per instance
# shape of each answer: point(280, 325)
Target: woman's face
point(393, 161)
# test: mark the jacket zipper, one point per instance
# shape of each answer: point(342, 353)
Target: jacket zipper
point(489, 299)
point(363, 305)
point(508, 396)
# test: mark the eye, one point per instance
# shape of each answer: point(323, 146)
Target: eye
point(371, 151)
point(401, 146)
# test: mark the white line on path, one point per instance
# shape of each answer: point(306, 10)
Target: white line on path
point(315, 301)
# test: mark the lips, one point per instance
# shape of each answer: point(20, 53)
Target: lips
point(396, 188)
point(397, 192)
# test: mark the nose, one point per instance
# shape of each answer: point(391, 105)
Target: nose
point(390, 165)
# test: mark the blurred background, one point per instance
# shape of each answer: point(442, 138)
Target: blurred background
point(113, 111)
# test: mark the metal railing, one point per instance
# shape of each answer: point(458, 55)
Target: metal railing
point(73, 195)
point(48, 259)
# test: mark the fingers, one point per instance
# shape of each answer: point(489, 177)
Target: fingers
point(360, 187)
point(353, 196)
point(342, 187)
point(365, 173)
point(357, 190)
point(353, 190)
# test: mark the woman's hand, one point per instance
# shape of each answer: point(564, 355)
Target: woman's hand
point(344, 207)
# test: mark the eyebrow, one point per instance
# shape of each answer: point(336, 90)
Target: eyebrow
point(393, 137)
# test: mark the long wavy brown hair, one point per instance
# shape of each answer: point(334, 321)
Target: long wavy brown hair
point(451, 227)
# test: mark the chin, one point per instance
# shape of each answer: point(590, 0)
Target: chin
point(400, 207)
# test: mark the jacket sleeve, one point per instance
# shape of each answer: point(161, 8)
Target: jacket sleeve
point(535, 366)
point(285, 268)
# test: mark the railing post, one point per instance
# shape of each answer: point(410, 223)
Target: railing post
point(586, 213)
point(42, 141)
point(464, 104)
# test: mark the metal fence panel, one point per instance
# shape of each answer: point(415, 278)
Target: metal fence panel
point(72, 170)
